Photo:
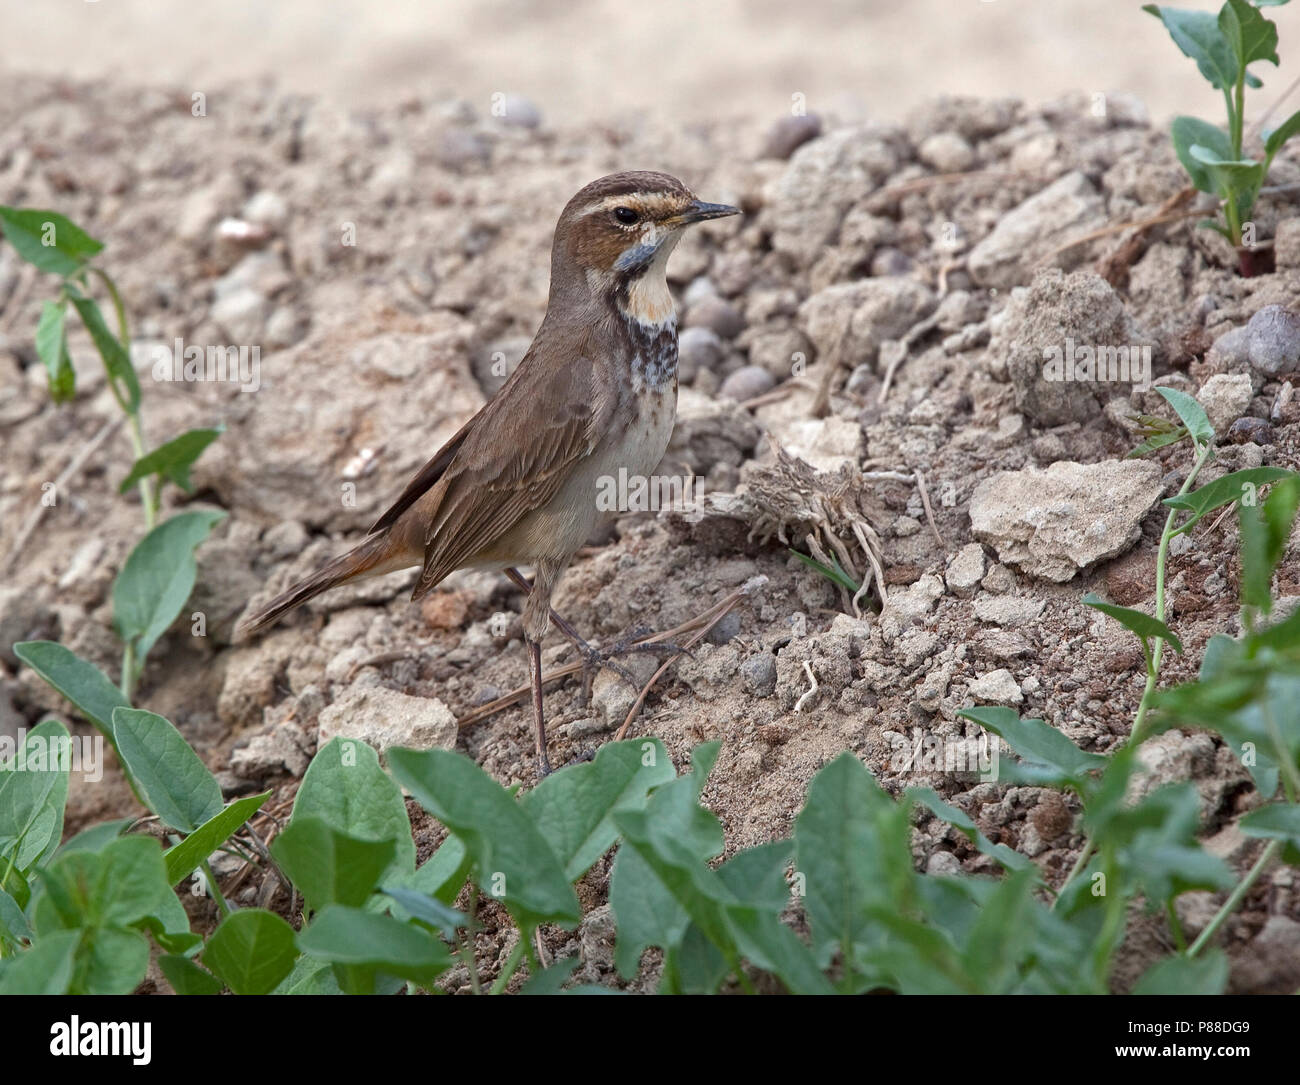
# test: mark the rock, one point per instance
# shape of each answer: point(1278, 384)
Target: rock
point(747, 382)
point(943, 862)
point(997, 687)
point(286, 748)
point(1030, 232)
point(1271, 963)
point(1231, 350)
point(1274, 344)
point(267, 208)
point(1225, 397)
point(612, 695)
point(1250, 431)
point(710, 431)
point(241, 315)
point(758, 673)
point(1286, 243)
point(383, 717)
point(823, 179)
point(697, 348)
point(1052, 524)
point(946, 152)
point(965, 570)
point(864, 314)
point(459, 148)
point(1069, 346)
point(717, 314)
point(779, 351)
point(22, 617)
point(788, 134)
point(517, 111)
point(889, 261)
point(1009, 611)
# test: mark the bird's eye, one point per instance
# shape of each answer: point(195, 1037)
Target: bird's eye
point(626, 215)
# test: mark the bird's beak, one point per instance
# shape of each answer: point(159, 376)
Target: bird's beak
point(699, 211)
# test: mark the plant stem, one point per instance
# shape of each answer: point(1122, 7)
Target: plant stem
point(1238, 894)
point(1153, 667)
point(511, 965)
point(215, 889)
point(128, 669)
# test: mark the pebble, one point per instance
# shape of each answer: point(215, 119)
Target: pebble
point(747, 382)
point(1274, 345)
point(718, 315)
point(788, 134)
point(697, 348)
point(759, 674)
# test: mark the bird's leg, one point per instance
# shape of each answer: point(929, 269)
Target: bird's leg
point(539, 719)
point(590, 657)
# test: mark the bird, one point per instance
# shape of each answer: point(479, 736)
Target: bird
point(595, 394)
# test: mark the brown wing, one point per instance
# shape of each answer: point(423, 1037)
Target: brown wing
point(513, 457)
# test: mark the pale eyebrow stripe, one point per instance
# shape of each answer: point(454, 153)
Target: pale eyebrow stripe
point(650, 200)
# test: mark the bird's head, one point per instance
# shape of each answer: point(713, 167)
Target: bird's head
point(616, 234)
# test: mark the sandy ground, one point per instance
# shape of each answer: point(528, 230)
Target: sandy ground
point(592, 59)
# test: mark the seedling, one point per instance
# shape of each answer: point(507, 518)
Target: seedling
point(1224, 47)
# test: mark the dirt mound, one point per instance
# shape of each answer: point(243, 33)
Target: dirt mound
point(879, 318)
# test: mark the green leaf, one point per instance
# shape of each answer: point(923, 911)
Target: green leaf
point(1135, 621)
point(346, 789)
point(97, 837)
point(14, 927)
point(1191, 413)
point(1187, 132)
point(1198, 35)
point(1277, 821)
point(835, 574)
point(45, 968)
point(429, 910)
point(961, 821)
point(1249, 35)
point(184, 858)
point(573, 808)
point(186, 977)
point(360, 939)
point(173, 781)
point(113, 352)
point(513, 861)
point(118, 886)
point(1037, 743)
point(172, 460)
point(33, 792)
point(47, 239)
point(1224, 490)
point(646, 911)
point(82, 683)
point(844, 853)
point(251, 952)
point(1203, 975)
point(157, 578)
point(443, 874)
point(52, 349)
point(1279, 135)
point(1238, 180)
point(1265, 531)
point(550, 980)
point(328, 866)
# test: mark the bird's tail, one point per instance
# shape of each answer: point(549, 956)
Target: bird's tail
point(371, 558)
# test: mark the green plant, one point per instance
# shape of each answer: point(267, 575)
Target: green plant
point(159, 573)
point(1224, 47)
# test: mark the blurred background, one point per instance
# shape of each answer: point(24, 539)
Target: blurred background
point(580, 60)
